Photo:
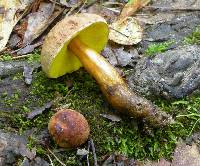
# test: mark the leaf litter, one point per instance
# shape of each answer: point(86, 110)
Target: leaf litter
point(31, 29)
point(10, 15)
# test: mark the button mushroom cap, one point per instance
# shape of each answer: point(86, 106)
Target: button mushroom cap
point(69, 128)
point(56, 58)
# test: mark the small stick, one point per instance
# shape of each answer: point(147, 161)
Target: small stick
point(118, 32)
point(20, 57)
point(56, 157)
point(81, 6)
point(93, 151)
point(50, 160)
point(88, 149)
point(57, 3)
point(171, 8)
point(73, 8)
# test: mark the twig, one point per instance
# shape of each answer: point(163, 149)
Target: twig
point(112, 9)
point(73, 8)
point(20, 57)
point(57, 3)
point(50, 160)
point(93, 151)
point(35, 45)
point(171, 8)
point(88, 149)
point(56, 157)
point(118, 32)
point(112, 3)
point(81, 6)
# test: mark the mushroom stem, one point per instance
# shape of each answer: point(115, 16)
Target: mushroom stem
point(114, 87)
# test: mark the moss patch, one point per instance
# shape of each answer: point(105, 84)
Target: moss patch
point(80, 92)
point(194, 38)
point(157, 48)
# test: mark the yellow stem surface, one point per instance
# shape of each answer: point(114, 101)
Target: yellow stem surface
point(113, 86)
point(94, 63)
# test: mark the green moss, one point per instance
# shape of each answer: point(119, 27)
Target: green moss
point(194, 38)
point(5, 57)
point(127, 137)
point(34, 57)
point(157, 48)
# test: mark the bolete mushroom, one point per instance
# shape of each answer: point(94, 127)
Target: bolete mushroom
point(76, 41)
point(68, 128)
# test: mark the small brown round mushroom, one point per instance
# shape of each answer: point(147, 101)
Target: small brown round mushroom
point(69, 128)
point(76, 41)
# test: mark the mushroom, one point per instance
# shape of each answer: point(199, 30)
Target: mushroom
point(69, 128)
point(76, 41)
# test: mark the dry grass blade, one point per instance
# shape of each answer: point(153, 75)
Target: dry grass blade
point(56, 157)
point(94, 152)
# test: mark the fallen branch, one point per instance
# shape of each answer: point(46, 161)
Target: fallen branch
point(170, 8)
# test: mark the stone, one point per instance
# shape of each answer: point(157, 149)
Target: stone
point(172, 74)
point(13, 146)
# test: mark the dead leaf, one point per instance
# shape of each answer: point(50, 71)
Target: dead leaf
point(116, 160)
point(14, 40)
point(24, 151)
point(186, 155)
point(40, 20)
point(70, 3)
point(9, 18)
point(109, 15)
point(82, 152)
point(161, 162)
point(126, 32)
point(2, 10)
point(26, 50)
point(112, 117)
point(35, 5)
point(37, 20)
point(38, 111)
point(131, 7)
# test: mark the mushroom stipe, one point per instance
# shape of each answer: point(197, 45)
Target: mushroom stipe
point(76, 40)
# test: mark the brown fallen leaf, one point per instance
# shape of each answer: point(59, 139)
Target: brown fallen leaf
point(9, 16)
point(160, 162)
point(186, 155)
point(37, 20)
point(70, 3)
point(35, 5)
point(40, 20)
point(111, 117)
point(126, 31)
point(131, 7)
point(25, 152)
point(39, 111)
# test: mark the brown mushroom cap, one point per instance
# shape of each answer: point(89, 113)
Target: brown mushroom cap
point(69, 128)
point(56, 59)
